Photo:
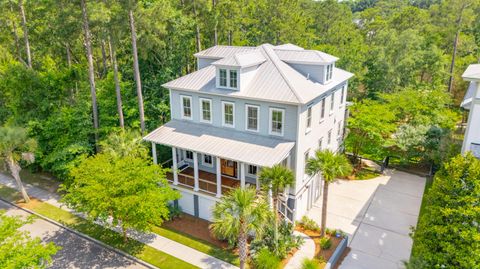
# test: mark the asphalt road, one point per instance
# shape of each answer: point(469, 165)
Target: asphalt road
point(76, 252)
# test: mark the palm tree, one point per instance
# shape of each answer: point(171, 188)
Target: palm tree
point(276, 179)
point(124, 143)
point(15, 146)
point(239, 213)
point(330, 165)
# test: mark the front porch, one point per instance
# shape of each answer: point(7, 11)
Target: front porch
point(207, 182)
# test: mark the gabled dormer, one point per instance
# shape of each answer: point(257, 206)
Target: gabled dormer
point(235, 72)
point(315, 65)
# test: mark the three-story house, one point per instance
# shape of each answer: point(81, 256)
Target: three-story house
point(251, 107)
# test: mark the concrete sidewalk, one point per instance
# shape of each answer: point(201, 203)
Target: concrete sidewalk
point(377, 214)
point(161, 243)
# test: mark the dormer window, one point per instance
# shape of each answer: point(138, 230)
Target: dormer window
point(227, 78)
point(329, 72)
point(233, 78)
point(223, 77)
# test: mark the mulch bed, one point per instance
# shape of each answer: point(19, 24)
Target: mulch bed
point(195, 227)
point(319, 252)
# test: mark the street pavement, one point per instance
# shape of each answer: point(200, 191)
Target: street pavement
point(76, 252)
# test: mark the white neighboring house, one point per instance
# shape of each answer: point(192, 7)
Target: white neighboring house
point(251, 107)
point(471, 102)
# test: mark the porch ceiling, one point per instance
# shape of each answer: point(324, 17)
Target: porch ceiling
point(224, 143)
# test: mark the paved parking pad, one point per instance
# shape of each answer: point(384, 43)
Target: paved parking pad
point(377, 215)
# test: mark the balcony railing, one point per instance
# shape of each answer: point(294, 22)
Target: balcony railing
point(204, 185)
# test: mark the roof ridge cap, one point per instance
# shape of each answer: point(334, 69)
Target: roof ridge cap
point(281, 73)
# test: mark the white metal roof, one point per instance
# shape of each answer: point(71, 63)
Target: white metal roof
point(472, 72)
point(219, 52)
point(221, 142)
point(274, 80)
point(242, 59)
point(305, 56)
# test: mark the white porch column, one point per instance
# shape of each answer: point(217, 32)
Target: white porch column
point(219, 178)
point(242, 175)
point(289, 161)
point(174, 167)
point(257, 183)
point(154, 153)
point(195, 171)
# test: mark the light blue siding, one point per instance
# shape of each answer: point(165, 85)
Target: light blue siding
point(290, 123)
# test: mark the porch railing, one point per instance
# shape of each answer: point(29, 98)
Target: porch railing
point(207, 186)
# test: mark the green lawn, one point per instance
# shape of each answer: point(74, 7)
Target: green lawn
point(133, 247)
point(198, 244)
point(428, 185)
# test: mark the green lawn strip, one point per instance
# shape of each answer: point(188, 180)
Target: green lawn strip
point(428, 185)
point(198, 244)
point(114, 239)
point(9, 194)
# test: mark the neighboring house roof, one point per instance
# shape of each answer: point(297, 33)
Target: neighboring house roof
point(472, 72)
point(274, 79)
point(224, 143)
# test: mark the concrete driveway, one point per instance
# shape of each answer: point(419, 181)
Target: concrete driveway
point(76, 252)
point(377, 214)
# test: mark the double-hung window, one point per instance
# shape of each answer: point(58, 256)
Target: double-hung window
point(329, 72)
point(207, 160)
point(320, 142)
point(223, 77)
point(340, 128)
point(329, 137)
point(309, 118)
point(205, 110)
point(332, 102)
point(228, 110)
point(233, 78)
point(322, 109)
point(306, 156)
point(189, 155)
point(277, 118)
point(252, 170)
point(252, 117)
point(186, 107)
point(343, 94)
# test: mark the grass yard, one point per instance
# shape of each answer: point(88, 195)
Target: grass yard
point(198, 244)
point(132, 247)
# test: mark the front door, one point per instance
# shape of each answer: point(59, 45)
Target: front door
point(229, 168)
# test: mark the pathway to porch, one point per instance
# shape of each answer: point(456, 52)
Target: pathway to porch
point(161, 243)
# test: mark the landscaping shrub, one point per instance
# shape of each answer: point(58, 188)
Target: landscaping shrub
point(309, 224)
point(286, 240)
point(325, 243)
point(265, 259)
point(310, 264)
point(174, 211)
point(447, 233)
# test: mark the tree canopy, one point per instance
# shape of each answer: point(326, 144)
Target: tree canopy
point(18, 249)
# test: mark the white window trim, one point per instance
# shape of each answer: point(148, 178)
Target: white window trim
point(228, 78)
point(320, 145)
point(247, 172)
point(207, 164)
point(270, 121)
point(258, 118)
point(309, 128)
point(191, 107)
point(201, 110)
point(223, 114)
